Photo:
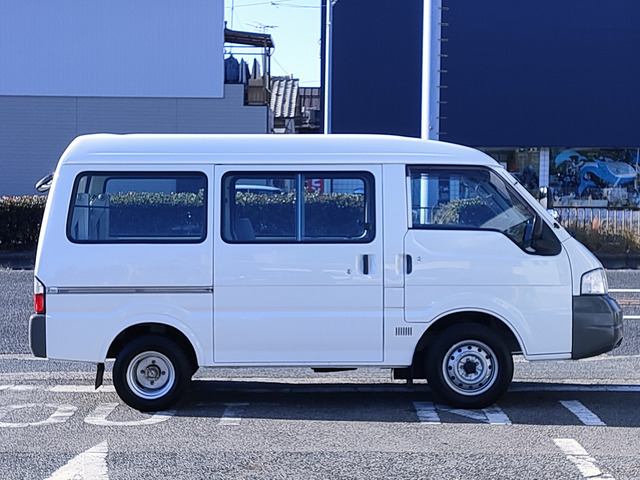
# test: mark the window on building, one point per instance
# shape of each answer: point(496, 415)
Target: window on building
point(595, 177)
point(522, 163)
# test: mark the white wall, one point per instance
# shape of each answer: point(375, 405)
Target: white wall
point(34, 131)
point(112, 48)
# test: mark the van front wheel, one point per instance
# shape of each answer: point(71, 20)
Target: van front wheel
point(469, 366)
point(151, 373)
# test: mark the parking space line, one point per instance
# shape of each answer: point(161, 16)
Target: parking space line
point(580, 458)
point(585, 415)
point(22, 388)
point(232, 415)
point(496, 416)
point(91, 464)
point(426, 412)
point(81, 389)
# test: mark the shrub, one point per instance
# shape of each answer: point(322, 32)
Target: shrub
point(20, 220)
point(607, 240)
point(326, 214)
point(449, 213)
point(188, 199)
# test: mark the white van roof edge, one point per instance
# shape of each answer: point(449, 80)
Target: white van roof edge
point(86, 148)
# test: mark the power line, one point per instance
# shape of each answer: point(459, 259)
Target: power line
point(275, 3)
point(280, 65)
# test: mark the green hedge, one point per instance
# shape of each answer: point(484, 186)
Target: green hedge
point(21, 217)
point(188, 199)
point(20, 220)
point(326, 214)
point(606, 240)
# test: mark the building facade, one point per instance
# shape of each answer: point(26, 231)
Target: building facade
point(72, 67)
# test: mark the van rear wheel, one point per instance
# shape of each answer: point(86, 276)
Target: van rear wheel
point(151, 373)
point(469, 366)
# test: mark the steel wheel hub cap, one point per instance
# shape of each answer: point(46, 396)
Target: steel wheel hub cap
point(150, 375)
point(470, 367)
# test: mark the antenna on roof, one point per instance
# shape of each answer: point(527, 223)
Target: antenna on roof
point(262, 26)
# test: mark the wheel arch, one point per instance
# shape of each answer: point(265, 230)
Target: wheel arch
point(457, 318)
point(151, 328)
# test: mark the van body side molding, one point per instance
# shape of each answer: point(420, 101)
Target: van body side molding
point(126, 290)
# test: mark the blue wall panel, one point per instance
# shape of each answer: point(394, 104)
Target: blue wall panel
point(536, 73)
point(377, 65)
point(541, 73)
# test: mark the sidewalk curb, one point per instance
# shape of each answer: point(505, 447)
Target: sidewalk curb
point(617, 261)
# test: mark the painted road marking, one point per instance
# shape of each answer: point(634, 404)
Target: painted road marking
point(103, 410)
point(580, 457)
point(82, 389)
point(22, 388)
point(428, 413)
point(60, 415)
point(89, 465)
point(232, 414)
point(585, 415)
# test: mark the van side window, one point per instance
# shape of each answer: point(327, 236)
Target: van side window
point(122, 207)
point(314, 207)
point(469, 198)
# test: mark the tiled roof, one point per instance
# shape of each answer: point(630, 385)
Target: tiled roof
point(284, 95)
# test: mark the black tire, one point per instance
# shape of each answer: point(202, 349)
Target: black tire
point(468, 366)
point(151, 373)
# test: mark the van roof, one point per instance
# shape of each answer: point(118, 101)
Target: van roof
point(241, 148)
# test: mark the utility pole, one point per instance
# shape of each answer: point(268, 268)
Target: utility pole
point(328, 44)
point(431, 69)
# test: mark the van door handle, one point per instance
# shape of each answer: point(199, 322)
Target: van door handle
point(409, 264)
point(365, 264)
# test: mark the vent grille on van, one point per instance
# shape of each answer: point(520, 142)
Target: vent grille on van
point(404, 331)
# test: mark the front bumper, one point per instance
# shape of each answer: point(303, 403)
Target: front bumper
point(597, 325)
point(38, 335)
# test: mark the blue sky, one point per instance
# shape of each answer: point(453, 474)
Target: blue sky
point(294, 26)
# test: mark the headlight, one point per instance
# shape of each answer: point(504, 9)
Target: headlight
point(594, 283)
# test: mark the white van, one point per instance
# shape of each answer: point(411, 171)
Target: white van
point(172, 252)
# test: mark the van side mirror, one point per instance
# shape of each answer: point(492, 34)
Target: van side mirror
point(44, 184)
